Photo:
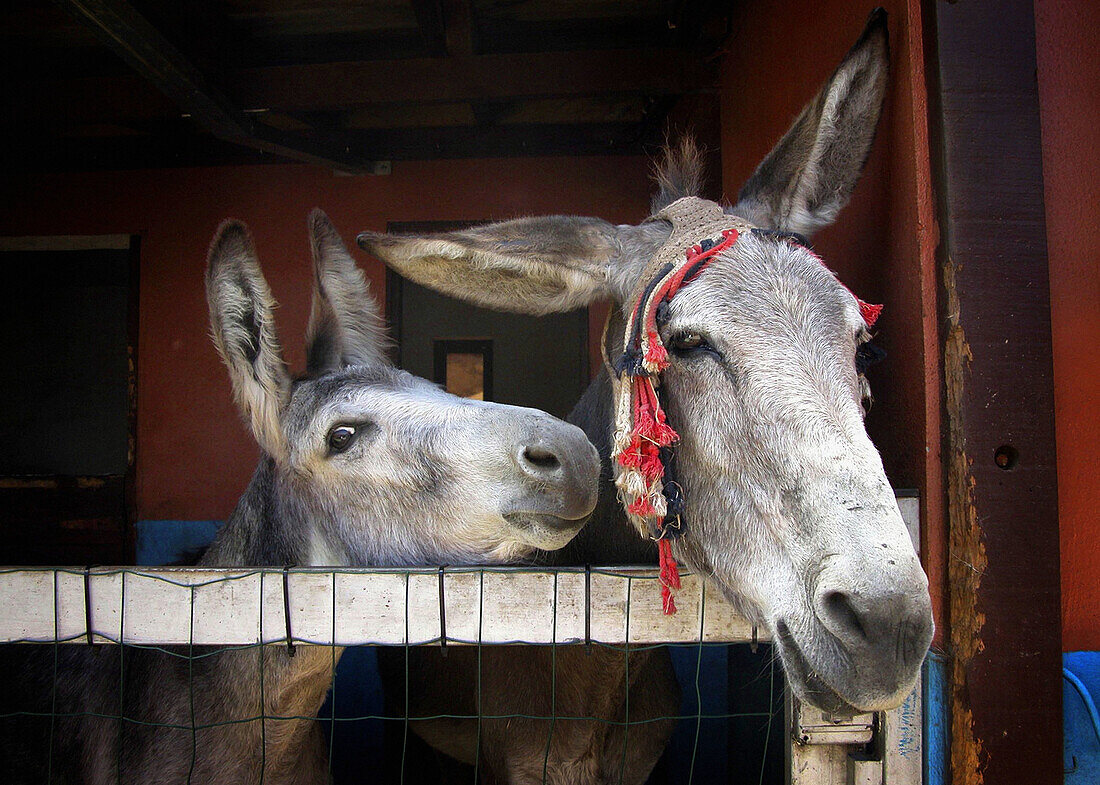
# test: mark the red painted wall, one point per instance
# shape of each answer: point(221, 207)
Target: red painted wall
point(194, 455)
point(883, 245)
point(1068, 48)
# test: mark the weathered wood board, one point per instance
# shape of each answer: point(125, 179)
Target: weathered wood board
point(171, 606)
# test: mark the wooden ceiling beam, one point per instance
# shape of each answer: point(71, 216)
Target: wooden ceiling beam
point(101, 99)
point(137, 42)
point(429, 18)
point(328, 86)
point(459, 21)
point(181, 148)
point(339, 86)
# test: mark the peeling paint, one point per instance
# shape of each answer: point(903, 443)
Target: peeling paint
point(966, 551)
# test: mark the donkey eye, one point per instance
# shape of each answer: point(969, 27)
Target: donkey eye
point(686, 342)
point(341, 437)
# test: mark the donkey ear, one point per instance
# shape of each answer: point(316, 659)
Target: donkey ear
point(243, 327)
point(345, 327)
point(809, 176)
point(527, 265)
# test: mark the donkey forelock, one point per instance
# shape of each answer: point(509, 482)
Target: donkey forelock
point(678, 172)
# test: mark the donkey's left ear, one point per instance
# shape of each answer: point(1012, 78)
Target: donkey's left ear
point(345, 327)
point(809, 176)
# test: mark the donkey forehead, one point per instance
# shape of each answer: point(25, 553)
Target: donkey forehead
point(770, 287)
point(358, 388)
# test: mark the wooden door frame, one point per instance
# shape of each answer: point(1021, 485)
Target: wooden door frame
point(131, 243)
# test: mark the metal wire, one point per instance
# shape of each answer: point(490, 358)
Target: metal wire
point(553, 680)
point(698, 691)
point(194, 654)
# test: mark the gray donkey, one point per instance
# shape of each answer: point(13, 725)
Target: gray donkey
point(363, 464)
point(786, 505)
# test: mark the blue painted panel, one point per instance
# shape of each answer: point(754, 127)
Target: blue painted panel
point(700, 743)
point(1081, 720)
point(936, 714)
point(169, 542)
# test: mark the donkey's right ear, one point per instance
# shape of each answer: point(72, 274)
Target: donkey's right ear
point(527, 265)
point(345, 327)
point(243, 327)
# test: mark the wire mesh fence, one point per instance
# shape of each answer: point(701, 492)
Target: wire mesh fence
point(226, 675)
point(186, 625)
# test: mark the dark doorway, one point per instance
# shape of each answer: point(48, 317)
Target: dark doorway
point(69, 317)
point(540, 361)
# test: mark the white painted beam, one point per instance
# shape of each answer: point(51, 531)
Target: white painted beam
point(172, 606)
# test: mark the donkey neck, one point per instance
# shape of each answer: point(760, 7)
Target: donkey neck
point(265, 530)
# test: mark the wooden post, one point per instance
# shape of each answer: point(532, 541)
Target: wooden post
point(1003, 572)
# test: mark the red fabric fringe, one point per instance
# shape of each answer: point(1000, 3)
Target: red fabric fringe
point(656, 353)
point(649, 417)
point(670, 575)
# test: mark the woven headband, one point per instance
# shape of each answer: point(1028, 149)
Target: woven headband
point(642, 451)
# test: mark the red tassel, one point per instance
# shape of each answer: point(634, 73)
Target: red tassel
point(669, 575)
point(650, 464)
point(656, 354)
point(641, 507)
point(662, 432)
point(649, 417)
point(668, 604)
point(631, 457)
point(643, 406)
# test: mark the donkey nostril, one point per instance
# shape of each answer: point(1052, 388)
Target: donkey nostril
point(543, 459)
point(838, 609)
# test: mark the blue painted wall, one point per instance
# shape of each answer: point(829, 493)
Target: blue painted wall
point(1080, 697)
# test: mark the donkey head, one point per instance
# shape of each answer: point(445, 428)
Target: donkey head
point(787, 503)
point(374, 465)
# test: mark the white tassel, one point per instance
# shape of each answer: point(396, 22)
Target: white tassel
point(659, 502)
point(632, 483)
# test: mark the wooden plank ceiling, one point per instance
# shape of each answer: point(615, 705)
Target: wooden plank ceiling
point(350, 84)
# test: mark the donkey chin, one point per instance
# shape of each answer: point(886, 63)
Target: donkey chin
point(823, 674)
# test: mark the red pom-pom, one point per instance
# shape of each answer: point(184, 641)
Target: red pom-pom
point(642, 507)
point(869, 312)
